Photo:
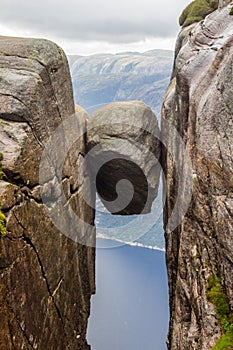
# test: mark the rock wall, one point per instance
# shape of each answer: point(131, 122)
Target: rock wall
point(199, 105)
point(46, 278)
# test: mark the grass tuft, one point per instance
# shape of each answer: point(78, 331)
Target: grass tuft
point(197, 11)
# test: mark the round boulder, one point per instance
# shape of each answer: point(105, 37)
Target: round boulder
point(123, 155)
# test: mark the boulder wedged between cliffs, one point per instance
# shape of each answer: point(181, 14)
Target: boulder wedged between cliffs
point(123, 141)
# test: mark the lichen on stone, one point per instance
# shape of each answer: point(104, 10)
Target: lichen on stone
point(197, 11)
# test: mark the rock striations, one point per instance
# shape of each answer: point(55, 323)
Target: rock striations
point(46, 279)
point(199, 103)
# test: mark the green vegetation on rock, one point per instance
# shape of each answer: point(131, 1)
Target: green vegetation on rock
point(231, 12)
point(225, 342)
point(196, 11)
point(2, 224)
point(217, 296)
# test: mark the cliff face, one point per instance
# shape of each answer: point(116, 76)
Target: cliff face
point(199, 104)
point(46, 278)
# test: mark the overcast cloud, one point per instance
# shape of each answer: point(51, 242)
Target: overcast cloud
point(114, 22)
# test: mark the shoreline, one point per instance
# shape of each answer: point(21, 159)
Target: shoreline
point(134, 244)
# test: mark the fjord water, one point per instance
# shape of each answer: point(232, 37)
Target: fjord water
point(130, 308)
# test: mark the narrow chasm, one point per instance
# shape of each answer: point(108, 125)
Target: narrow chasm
point(123, 141)
point(130, 308)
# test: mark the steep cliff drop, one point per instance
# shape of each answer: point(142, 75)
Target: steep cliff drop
point(199, 104)
point(46, 278)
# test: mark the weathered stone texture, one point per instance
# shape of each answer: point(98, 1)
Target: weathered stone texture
point(46, 279)
point(199, 103)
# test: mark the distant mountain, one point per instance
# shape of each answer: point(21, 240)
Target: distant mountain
point(104, 78)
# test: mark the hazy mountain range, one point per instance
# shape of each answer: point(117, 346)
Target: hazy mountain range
point(104, 78)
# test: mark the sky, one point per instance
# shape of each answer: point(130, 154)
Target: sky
point(95, 26)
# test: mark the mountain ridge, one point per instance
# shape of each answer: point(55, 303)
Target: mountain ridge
point(105, 78)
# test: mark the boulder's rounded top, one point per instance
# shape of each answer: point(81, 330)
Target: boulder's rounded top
point(42, 50)
point(123, 118)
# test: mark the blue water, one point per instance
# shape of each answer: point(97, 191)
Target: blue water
point(130, 309)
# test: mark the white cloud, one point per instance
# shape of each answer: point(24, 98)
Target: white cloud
point(95, 25)
point(88, 48)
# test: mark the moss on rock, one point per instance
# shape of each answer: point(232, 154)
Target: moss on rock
point(2, 224)
point(196, 11)
point(217, 296)
point(225, 342)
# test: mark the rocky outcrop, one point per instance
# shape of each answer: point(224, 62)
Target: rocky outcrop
point(199, 105)
point(124, 152)
point(46, 278)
